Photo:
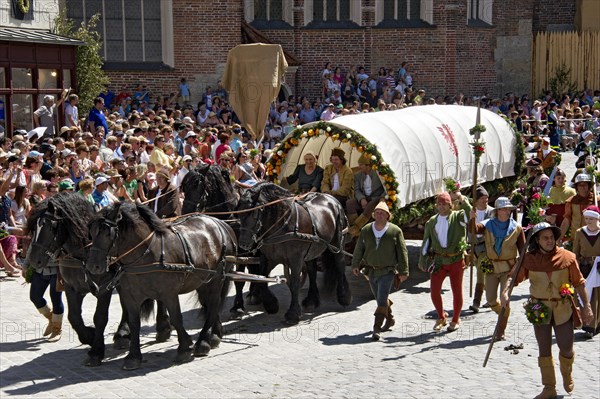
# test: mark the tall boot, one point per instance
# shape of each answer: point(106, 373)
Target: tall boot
point(380, 314)
point(546, 365)
point(566, 367)
point(479, 288)
point(352, 218)
point(360, 221)
point(56, 334)
point(389, 317)
point(47, 313)
point(502, 325)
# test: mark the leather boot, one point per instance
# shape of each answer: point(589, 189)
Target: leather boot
point(56, 334)
point(502, 325)
point(479, 288)
point(352, 218)
point(546, 365)
point(47, 313)
point(380, 314)
point(360, 221)
point(389, 318)
point(566, 367)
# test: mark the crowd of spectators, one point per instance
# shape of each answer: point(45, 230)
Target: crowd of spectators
point(134, 145)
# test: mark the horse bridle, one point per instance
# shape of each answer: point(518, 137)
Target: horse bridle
point(48, 250)
point(113, 235)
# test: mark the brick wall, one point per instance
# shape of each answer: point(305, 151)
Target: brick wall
point(447, 58)
point(554, 15)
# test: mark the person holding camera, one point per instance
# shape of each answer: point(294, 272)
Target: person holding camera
point(442, 254)
point(381, 256)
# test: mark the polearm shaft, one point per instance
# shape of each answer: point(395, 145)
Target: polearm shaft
point(509, 291)
point(473, 196)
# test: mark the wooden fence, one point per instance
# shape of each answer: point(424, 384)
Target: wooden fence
point(579, 51)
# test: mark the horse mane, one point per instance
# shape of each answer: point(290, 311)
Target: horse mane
point(75, 210)
point(262, 193)
point(216, 182)
point(135, 214)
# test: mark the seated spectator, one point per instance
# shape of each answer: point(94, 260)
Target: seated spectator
point(308, 175)
point(338, 179)
point(368, 191)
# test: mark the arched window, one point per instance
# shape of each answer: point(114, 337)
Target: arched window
point(403, 13)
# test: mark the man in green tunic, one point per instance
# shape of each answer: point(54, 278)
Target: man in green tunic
point(381, 255)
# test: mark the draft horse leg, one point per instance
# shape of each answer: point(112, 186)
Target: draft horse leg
point(74, 302)
point(122, 335)
point(184, 350)
point(163, 323)
point(238, 310)
point(210, 337)
point(312, 300)
point(96, 353)
point(292, 316)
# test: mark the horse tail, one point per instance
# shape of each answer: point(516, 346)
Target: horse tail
point(147, 309)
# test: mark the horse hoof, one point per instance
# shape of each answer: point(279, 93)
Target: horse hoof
point(121, 343)
point(202, 349)
point(236, 314)
point(345, 300)
point(215, 341)
point(292, 319)
point(164, 335)
point(132, 364)
point(184, 357)
point(93, 361)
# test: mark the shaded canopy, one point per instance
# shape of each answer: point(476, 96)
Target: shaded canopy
point(253, 77)
point(422, 145)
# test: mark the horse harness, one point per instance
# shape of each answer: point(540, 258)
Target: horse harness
point(162, 265)
point(295, 234)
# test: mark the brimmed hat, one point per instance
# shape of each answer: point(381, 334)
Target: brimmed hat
point(583, 177)
point(546, 140)
point(164, 175)
point(187, 158)
point(143, 125)
point(383, 207)
point(338, 152)
point(187, 119)
point(190, 134)
point(112, 173)
point(364, 161)
point(503, 203)
point(66, 152)
point(586, 134)
point(100, 180)
point(543, 226)
point(533, 162)
point(66, 184)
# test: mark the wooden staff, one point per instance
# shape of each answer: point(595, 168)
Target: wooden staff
point(473, 196)
point(509, 291)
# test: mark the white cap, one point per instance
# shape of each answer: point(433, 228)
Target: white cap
point(66, 152)
point(187, 158)
point(187, 119)
point(100, 180)
point(586, 134)
point(190, 134)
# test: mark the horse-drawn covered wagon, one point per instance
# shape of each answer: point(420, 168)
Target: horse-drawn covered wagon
point(413, 151)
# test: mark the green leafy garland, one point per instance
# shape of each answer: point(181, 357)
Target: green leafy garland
point(355, 140)
point(537, 313)
point(24, 5)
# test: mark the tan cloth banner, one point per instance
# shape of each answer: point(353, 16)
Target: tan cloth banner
point(253, 77)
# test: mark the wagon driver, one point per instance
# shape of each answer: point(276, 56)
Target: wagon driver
point(338, 179)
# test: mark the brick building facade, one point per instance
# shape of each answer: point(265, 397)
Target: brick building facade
point(472, 46)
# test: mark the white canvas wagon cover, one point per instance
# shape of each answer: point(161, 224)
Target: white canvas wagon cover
point(422, 145)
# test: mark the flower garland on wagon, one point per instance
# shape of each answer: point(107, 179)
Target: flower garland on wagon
point(355, 140)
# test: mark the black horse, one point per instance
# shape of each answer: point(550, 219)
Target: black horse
point(208, 188)
point(60, 230)
point(294, 231)
point(161, 261)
